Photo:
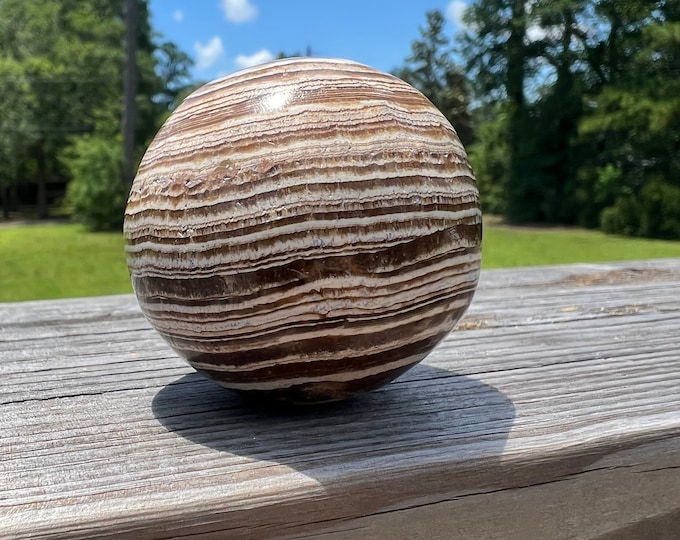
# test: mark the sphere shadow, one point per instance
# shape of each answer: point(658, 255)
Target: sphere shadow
point(427, 406)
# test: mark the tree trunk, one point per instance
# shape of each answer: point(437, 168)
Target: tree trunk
point(5, 202)
point(516, 209)
point(516, 54)
point(41, 161)
point(130, 90)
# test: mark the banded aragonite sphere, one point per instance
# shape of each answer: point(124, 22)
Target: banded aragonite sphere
point(307, 229)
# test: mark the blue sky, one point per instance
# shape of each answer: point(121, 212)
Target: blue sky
point(223, 36)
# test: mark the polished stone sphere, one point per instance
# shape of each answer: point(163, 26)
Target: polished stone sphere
point(305, 229)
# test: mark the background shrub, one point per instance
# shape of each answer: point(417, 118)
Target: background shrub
point(97, 194)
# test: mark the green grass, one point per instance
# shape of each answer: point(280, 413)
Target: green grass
point(61, 261)
point(505, 247)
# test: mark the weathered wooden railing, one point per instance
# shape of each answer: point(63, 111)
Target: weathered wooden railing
point(552, 412)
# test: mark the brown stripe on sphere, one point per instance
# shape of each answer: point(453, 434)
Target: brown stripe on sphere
point(280, 245)
point(320, 392)
point(390, 267)
point(335, 213)
point(306, 343)
point(359, 172)
point(233, 304)
point(335, 381)
point(322, 322)
point(308, 228)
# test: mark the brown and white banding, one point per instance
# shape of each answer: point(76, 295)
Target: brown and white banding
point(309, 227)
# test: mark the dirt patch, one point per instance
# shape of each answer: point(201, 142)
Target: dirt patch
point(499, 223)
point(616, 277)
point(9, 223)
point(620, 311)
point(472, 323)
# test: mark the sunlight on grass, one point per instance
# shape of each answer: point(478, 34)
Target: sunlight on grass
point(504, 247)
point(61, 261)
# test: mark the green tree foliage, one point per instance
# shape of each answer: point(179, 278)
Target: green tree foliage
point(69, 55)
point(297, 54)
point(489, 156)
point(583, 98)
point(512, 48)
point(497, 60)
point(96, 196)
point(15, 136)
point(634, 122)
point(430, 68)
point(67, 52)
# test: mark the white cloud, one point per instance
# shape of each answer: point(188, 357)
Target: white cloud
point(178, 15)
point(208, 54)
point(238, 11)
point(529, 6)
point(454, 12)
point(535, 33)
point(260, 57)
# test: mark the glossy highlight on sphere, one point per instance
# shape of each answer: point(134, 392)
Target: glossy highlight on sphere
point(305, 229)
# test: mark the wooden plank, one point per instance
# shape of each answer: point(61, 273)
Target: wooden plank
point(553, 412)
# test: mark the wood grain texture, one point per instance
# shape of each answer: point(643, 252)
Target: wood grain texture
point(308, 228)
point(554, 412)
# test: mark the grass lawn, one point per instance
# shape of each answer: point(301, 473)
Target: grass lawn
point(505, 247)
point(60, 261)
